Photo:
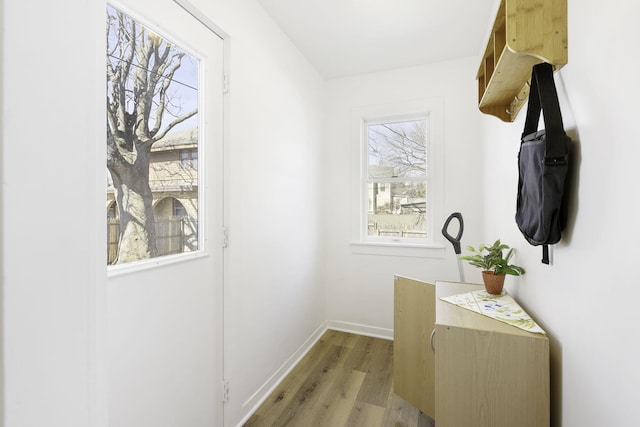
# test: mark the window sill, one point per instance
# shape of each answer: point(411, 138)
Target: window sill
point(148, 264)
point(398, 249)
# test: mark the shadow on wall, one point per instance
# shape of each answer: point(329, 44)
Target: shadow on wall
point(555, 376)
point(572, 184)
point(1, 219)
point(575, 160)
point(555, 369)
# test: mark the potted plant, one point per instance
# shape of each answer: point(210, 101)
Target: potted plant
point(495, 266)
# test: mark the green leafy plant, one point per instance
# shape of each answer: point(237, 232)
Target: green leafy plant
point(491, 258)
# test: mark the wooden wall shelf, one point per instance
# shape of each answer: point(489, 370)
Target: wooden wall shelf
point(524, 33)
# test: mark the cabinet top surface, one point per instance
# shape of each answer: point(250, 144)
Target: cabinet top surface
point(448, 314)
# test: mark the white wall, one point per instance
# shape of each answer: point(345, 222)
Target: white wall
point(360, 287)
point(587, 299)
point(52, 222)
point(2, 387)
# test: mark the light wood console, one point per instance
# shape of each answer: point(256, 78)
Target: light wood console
point(473, 370)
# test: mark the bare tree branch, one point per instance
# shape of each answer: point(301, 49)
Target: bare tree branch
point(174, 123)
point(140, 70)
point(400, 147)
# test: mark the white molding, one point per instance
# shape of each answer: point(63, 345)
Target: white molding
point(355, 328)
point(202, 18)
point(436, 251)
point(433, 108)
point(274, 381)
point(264, 391)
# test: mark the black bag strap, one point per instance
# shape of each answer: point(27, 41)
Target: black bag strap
point(543, 96)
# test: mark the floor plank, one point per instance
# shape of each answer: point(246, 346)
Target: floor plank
point(377, 385)
point(366, 415)
point(337, 400)
point(301, 394)
point(344, 380)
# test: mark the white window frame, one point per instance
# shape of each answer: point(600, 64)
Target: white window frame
point(432, 246)
point(202, 250)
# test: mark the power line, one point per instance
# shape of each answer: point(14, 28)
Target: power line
point(149, 71)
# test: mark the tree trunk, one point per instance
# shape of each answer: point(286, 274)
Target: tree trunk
point(135, 207)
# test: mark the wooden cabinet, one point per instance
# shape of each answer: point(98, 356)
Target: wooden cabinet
point(485, 373)
point(524, 33)
point(413, 360)
point(488, 373)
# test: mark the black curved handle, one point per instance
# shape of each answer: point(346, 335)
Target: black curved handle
point(455, 241)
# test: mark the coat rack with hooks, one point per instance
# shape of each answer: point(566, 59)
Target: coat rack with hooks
point(524, 33)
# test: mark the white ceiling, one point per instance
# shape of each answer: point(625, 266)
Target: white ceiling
point(347, 37)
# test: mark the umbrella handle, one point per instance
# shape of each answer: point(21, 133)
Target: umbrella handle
point(455, 241)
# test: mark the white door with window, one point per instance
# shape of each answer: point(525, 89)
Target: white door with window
point(164, 202)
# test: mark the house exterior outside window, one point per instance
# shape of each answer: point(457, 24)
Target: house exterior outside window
point(396, 179)
point(174, 186)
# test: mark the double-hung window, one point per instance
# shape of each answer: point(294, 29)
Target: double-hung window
point(399, 180)
point(396, 179)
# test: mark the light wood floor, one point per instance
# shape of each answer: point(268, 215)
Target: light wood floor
point(344, 380)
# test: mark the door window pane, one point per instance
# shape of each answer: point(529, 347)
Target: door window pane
point(152, 142)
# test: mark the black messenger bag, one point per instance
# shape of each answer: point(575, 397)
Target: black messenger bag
point(543, 164)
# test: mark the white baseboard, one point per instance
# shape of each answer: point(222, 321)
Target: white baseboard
point(270, 385)
point(354, 328)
